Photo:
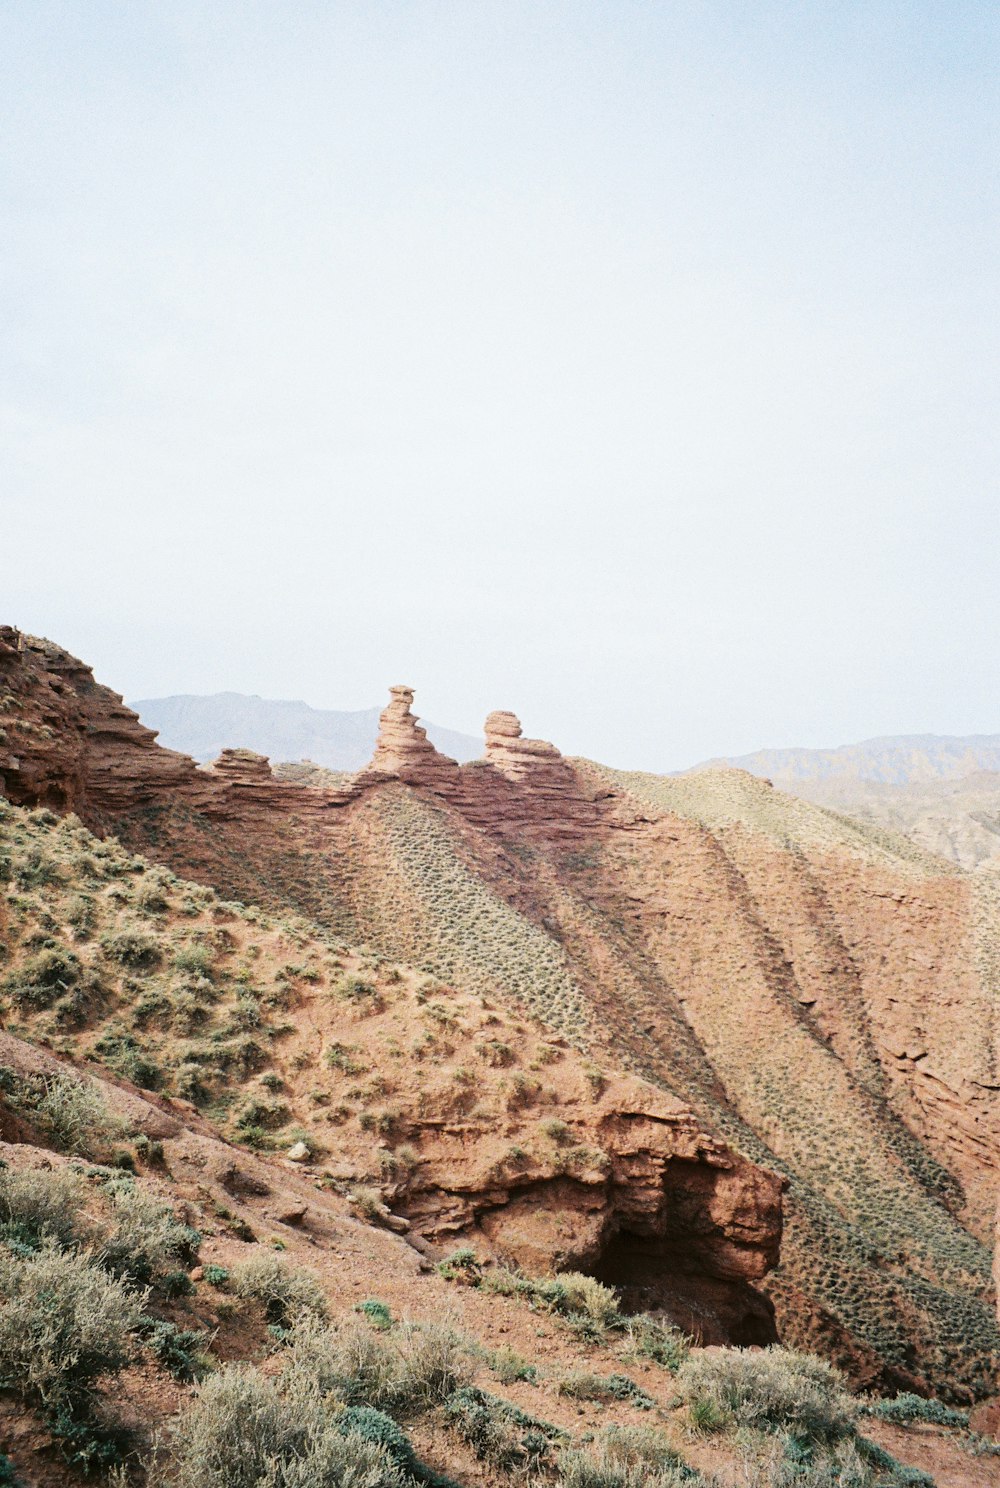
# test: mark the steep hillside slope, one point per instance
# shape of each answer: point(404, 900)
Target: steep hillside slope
point(205, 725)
point(818, 994)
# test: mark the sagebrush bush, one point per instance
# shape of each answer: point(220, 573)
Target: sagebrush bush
point(142, 1241)
point(37, 1202)
point(74, 1114)
point(331, 1460)
point(41, 978)
point(352, 1362)
point(573, 1295)
point(509, 1367)
point(133, 948)
point(580, 1385)
point(236, 1425)
point(771, 1389)
point(285, 1291)
point(64, 1323)
point(434, 1361)
point(242, 1431)
point(649, 1338)
point(419, 1366)
point(598, 1468)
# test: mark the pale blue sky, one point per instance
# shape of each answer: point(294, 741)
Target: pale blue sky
point(630, 365)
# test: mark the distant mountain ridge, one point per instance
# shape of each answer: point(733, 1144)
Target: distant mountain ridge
point(942, 791)
point(204, 725)
point(901, 759)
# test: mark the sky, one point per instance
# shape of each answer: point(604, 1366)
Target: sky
point(631, 365)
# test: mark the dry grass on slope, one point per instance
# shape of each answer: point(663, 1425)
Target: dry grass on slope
point(718, 798)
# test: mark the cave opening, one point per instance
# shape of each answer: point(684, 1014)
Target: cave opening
point(650, 1275)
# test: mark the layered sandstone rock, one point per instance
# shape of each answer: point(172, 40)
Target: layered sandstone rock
point(637, 1193)
point(69, 743)
point(509, 752)
point(403, 750)
point(243, 767)
point(72, 744)
point(524, 787)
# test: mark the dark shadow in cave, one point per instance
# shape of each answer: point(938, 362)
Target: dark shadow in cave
point(651, 1276)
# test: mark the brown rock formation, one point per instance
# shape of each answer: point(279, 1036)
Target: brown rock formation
point(509, 752)
point(403, 750)
point(656, 1207)
point(243, 767)
point(524, 787)
point(71, 744)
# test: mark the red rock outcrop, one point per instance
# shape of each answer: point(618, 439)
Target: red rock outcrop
point(509, 752)
point(67, 742)
point(403, 750)
point(637, 1193)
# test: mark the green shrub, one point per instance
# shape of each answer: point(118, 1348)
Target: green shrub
point(855, 1461)
point(64, 1323)
point(498, 1431)
point(376, 1312)
point(461, 1265)
point(179, 1350)
point(285, 1291)
point(216, 1276)
point(378, 1429)
point(906, 1408)
point(770, 1390)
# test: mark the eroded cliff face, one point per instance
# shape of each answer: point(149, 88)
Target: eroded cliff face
point(632, 1191)
point(819, 997)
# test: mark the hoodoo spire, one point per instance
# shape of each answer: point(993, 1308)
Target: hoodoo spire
point(403, 748)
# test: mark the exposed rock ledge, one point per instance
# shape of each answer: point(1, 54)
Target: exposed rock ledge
point(634, 1192)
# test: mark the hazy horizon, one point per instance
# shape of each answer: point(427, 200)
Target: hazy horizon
point(439, 726)
point(632, 367)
